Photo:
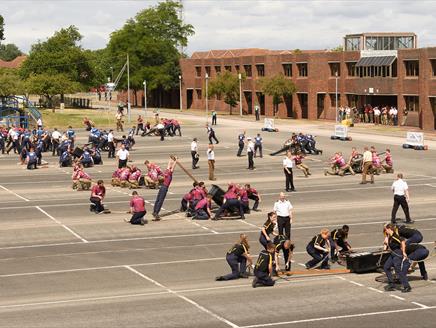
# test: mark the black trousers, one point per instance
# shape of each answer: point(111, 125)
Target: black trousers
point(289, 179)
point(139, 126)
point(122, 163)
point(212, 136)
point(214, 120)
point(284, 226)
point(111, 153)
point(241, 148)
point(256, 147)
point(400, 200)
point(195, 159)
point(97, 202)
point(137, 216)
point(250, 160)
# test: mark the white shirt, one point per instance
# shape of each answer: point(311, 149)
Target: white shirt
point(122, 154)
point(56, 135)
point(283, 208)
point(110, 137)
point(377, 112)
point(399, 187)
point(160, 126)
point(39, 122)
point(210, 154)
point(367, 156)
point(194, 146)
point(250, 147)
point(288, 162)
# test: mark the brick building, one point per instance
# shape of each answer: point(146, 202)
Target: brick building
point(373, 68)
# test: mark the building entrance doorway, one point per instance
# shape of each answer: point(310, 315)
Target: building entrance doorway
point(189, 98)
point(380, 101)
point(249, 99)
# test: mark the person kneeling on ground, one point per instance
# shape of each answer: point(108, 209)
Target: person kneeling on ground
point(319, 249)
point(31, 159)
point(264, 267)
point(237, 258)
point(202, 209)
point(137, 208)
point(97, 195)
point(338, 242)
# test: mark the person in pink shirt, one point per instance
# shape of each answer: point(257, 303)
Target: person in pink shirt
point(137, 208)
point(389, 164)
point(168, 178)
point(134, 177)
point(116, 178)
point(124, 177)
point(202, 209)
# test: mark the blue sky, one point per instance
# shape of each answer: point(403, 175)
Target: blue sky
point(226, 24)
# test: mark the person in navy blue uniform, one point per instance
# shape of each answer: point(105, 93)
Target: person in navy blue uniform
point(241, 143)
point(237, 258)
point(31, 159)
point(211, 134)
point(338, 242)
point(86, 158)
point(397, 259)
point(268, 229)
point(264, 267)
point(65, 159)
point(417, 253)
point(412, 236)
point(258, 145)
point(319, 249)
point(283, 244)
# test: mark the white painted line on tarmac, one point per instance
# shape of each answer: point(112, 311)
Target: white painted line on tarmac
point(14, 193)
point(422, 305)
point(348, 316)
point(186, 299)
point(61, 224)
point(397, 297)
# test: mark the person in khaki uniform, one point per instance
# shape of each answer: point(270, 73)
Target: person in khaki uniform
point(367, 166)
point(211, 162)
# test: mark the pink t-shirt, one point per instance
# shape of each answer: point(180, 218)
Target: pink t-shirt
point(138, 204)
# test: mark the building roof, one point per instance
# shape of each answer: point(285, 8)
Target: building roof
point(376, 61)
point(249, 52)
point(16, 63)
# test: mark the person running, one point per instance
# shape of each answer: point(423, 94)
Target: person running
point(160, 198)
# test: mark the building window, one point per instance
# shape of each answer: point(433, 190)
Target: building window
point(228, 68)
point(333, 99)
point(351, 69)
point(433, 67)
point(287, 69)
point(260, 70)
point(248, 72)
point(335, 69)
point(218, 96)
point(412, 67)
point(198, 94)
point(412, 103)
point(302, 69)
point(237, 68)
point(197, 71)
point(352, 43)
point(207, 69)
point(217, 69)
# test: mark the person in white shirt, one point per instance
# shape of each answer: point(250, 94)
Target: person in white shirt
point(211, 162)
point(250, 153)
point(377, 114)
point(367, 166)
point(55, 139)
point(194, 154)
point(39, 123)
point(283, 209)
point(111, 144)
point(288, 164)
point(122, 156)
point(401, 197)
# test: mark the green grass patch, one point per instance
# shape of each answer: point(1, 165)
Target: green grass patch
point(74, 117)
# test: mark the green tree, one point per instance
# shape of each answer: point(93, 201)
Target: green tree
point(278, 87)
point(2, 28)
point(151, 39)
point(9, 51)
point(226, 85)
point(10, 83)
point(50, 85)
point(61, 54)
point(339, 48)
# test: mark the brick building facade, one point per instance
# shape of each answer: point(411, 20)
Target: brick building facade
point(374, 68)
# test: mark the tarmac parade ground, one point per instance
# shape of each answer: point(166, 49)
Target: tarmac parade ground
point(63, 266)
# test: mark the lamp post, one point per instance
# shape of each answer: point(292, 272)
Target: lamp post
point(336, 95)
point(180, 92)
point(112, 74)
point(207, 97)
point(145, 98)
point(240, 93)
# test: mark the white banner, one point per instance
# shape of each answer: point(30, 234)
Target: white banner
point(268, 123)
point(341, 131)
point(415, 138)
